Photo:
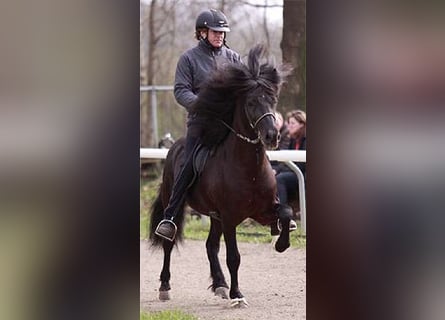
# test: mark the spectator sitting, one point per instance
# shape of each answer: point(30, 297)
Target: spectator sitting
point(284, 141)
point(287, 181)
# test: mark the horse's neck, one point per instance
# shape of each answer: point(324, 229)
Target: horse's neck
point(242, 150)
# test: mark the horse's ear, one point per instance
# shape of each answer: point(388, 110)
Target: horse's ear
point(254, 59)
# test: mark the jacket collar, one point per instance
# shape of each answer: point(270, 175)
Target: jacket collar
point(205, 45)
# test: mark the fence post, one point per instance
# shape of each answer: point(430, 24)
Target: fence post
point(154, 116)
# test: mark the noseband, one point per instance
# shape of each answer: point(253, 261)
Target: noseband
point(261, 118)
point(239, 135)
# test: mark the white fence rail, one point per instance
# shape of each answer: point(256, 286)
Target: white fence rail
point(287, 156)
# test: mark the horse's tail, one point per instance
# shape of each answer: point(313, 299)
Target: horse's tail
point(157, 214)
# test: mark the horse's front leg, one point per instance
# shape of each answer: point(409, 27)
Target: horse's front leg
point(165, 273)
point(233, 263)
point(219, 285)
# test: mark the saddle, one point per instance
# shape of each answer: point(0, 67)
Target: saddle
point(200, 156)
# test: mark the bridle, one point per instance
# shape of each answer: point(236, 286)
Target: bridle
point(261, 118)
point(253, 126)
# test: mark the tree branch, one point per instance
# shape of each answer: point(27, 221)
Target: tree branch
point(262, 5)
point(160, 35)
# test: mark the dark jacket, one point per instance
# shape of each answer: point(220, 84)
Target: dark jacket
point(194, 67)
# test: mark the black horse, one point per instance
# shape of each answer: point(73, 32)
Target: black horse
point(237, 181)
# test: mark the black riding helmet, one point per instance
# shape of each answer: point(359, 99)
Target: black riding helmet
point(212, 19)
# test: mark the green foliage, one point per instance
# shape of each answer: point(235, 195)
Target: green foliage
point(167, 315)
point(197, 229)
point(248, 231)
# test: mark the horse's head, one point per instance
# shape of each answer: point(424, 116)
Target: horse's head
point(242, 98)
point(262, 96)
point(260, 113)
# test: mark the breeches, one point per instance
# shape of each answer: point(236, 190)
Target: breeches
point(193, 138)
point(287, 186)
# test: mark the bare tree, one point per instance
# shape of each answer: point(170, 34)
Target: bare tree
point(266, 5)
point(156, 24)
point(293, 46)
point(167, 30)
point(146, 127)
point(266, 29)
point(222, 5)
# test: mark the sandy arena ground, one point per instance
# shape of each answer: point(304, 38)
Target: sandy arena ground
point(274, 284)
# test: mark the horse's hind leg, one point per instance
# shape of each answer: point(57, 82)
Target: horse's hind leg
point(219, 285)
point(165, 273)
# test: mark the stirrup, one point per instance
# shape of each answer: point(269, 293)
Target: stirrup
point(168, 235)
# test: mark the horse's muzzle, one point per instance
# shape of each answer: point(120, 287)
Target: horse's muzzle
point(271, 138)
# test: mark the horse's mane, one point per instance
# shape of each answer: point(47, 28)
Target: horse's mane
point(218, 99)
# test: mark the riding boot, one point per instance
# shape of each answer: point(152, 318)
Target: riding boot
point(167, 228)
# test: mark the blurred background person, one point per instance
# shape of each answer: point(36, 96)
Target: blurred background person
point(284, 141)
point(281, 125)
point(287, 180)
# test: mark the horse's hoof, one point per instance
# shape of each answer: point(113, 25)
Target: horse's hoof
point(280, 248)
point(164, 295)
point(222, 292)
point(238, 303)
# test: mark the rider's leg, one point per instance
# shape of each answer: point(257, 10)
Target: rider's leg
point(181, 184)
point(167, 228)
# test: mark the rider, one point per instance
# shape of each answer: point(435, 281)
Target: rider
point(192, 71)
